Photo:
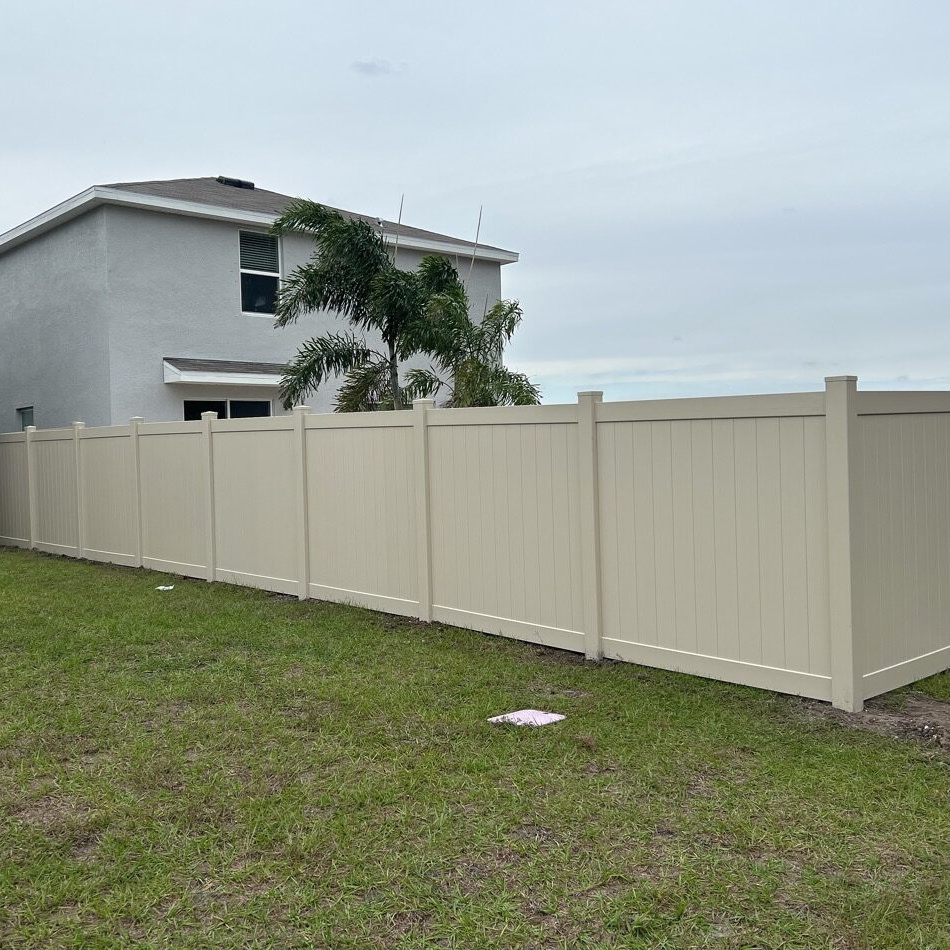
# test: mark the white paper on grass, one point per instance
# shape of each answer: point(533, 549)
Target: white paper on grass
point(528, 717)
point(165, 587)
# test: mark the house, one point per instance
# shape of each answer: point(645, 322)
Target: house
point(156, 299)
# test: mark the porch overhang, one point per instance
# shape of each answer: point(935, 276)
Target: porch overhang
point(194, 372)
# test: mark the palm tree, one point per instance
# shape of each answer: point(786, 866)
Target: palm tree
point(422, 311)
point(467, 355)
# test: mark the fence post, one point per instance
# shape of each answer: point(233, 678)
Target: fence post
point(421, 409)
point(207, 418)
point(303, 516)
point(137, 551)
point(31, 482)
point(77, 453)
point(847, 686)
point(588, 478)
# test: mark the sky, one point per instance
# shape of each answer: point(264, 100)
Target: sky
point(708, 197)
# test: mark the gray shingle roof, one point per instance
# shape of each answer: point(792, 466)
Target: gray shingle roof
point(224, 366)
point(209, 191)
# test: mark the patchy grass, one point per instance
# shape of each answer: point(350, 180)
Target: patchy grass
point(219, 767)
point(936, 686)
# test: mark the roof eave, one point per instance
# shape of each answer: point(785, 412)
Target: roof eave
point(96, 196)
point(194, 377)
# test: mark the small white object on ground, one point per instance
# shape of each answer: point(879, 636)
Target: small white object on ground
point(528, 717)
point(165, 587)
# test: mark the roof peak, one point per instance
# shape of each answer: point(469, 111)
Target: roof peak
point(233, 202)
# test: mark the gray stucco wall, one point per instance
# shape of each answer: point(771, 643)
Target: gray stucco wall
point(89, 310)
point(174, 290)
point(54, 344)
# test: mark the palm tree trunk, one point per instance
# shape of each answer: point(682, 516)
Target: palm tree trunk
point(394, 377)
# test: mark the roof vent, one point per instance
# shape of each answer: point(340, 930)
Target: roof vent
point(234, 182)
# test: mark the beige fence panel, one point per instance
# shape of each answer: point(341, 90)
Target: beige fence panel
point(714, 543)
point(14, 491)
point(174, 507)
point(56, 497)
point(256, 513)
point(505, 523)
point(797, 542)
point(902, 528)
point(108, 495)
point(362, 512)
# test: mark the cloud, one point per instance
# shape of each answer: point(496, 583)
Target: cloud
point(377, 67)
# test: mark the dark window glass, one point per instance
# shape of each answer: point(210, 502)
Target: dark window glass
point(249, 408)
point(194, 408)
point(258, 293)
point(25, 416)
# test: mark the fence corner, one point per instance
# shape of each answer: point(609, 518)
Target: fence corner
point(588, 479)
point(847, 685)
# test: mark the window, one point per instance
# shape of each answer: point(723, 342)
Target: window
point(226, 408)
point(194, 408)
point(260, 272)
point(25, 417)
point(248, 408)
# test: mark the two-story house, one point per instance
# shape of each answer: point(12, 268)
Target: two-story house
point(156, 299)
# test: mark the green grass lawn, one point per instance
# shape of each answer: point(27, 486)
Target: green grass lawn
point(219, 767)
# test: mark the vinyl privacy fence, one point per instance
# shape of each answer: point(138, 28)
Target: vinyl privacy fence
point(796, 542)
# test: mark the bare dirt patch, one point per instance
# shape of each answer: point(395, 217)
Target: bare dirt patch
point(52, 813)
point(919, 717)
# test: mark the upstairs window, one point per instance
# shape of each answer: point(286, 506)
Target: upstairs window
point(260, 272)
point(25, 416)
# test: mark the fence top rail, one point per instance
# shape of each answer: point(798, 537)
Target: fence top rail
point(504, 415)
point(169, 428)
point(257, 424)
point(105, 432)
point(879, 403)
point(53, 435)
point(12, 437)
point(360, 420)
point(774, 405)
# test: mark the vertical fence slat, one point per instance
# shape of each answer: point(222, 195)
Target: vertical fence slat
point(847, 687)
point(207, 418)
point(31, 482)
point(80, 506)
point(423, 531)
point(134, 424)
point(588, 472)
point(303, 519)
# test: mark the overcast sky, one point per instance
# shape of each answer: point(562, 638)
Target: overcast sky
point(707, 196)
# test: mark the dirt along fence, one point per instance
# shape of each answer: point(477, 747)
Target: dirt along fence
point(797, 542)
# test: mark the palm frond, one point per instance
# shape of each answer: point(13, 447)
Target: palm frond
point(499, 324)
point(349, 255)
point(301, 214)
point(513, 389)
point(365, 387)
point(480, 383)
point(421, 384)
point(438, 275)
point(319, 358)
point(395, 294)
